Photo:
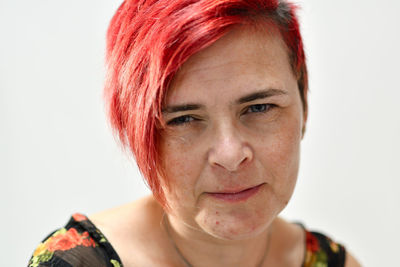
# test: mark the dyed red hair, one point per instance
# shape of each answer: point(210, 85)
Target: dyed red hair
point(147, 42)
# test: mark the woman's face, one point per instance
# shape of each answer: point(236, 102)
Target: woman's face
point(231, 144)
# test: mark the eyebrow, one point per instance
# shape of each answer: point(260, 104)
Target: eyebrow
point(247, 98)
point(261, 95)
point(184, 107)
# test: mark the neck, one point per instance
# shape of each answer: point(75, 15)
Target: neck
point(194, 247)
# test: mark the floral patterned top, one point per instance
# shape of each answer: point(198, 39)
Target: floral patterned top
point(81, 244)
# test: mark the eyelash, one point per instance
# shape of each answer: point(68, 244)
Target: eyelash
point(186, 119)
point(265, 108)
point(178, 120)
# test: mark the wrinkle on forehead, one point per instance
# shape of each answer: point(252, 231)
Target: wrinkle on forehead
point(237, 42)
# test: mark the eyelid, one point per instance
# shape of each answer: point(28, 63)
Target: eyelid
point(267, 108)
point(173, 122)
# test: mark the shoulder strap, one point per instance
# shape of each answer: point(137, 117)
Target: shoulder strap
point(79, 243)
point(83, 224)
point(322, 251)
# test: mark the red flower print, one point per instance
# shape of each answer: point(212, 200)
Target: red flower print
point(312, 242)
point(79, 217)
point(69, 240)
point(87, 241)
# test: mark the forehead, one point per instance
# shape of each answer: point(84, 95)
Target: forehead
point(244, 57)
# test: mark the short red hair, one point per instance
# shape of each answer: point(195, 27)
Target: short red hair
point(147, 42)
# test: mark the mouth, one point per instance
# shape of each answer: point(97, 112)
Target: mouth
point(237, 196)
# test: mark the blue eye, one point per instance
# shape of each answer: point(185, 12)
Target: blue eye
point(181, 120)
point(258, 108)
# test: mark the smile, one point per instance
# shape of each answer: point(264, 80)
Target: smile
point(238, 196)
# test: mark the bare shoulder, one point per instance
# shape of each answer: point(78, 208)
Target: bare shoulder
point(129, 217)
point(287, 243)
point(289, 231)
point(134, 230)
point(293, 242)
point(351, 261)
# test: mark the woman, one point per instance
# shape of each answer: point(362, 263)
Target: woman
point(211, 98)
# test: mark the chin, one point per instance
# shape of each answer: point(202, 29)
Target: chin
point(235, 224)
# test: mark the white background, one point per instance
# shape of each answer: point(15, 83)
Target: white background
point(58, 156)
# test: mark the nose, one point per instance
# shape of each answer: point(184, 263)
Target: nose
point(229, 149)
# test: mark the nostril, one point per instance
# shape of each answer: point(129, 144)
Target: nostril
point(232, 161)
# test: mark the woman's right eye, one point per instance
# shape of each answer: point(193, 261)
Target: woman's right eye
point(181, 120)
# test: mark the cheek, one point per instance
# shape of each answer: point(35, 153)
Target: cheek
point(181, 167)
point(280, 158)
point(173, 151)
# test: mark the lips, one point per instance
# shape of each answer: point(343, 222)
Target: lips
point(236, 196)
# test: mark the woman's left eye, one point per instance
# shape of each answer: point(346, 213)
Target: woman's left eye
point(258, 108)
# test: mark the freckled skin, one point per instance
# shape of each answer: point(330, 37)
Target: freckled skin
point(228, 147)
